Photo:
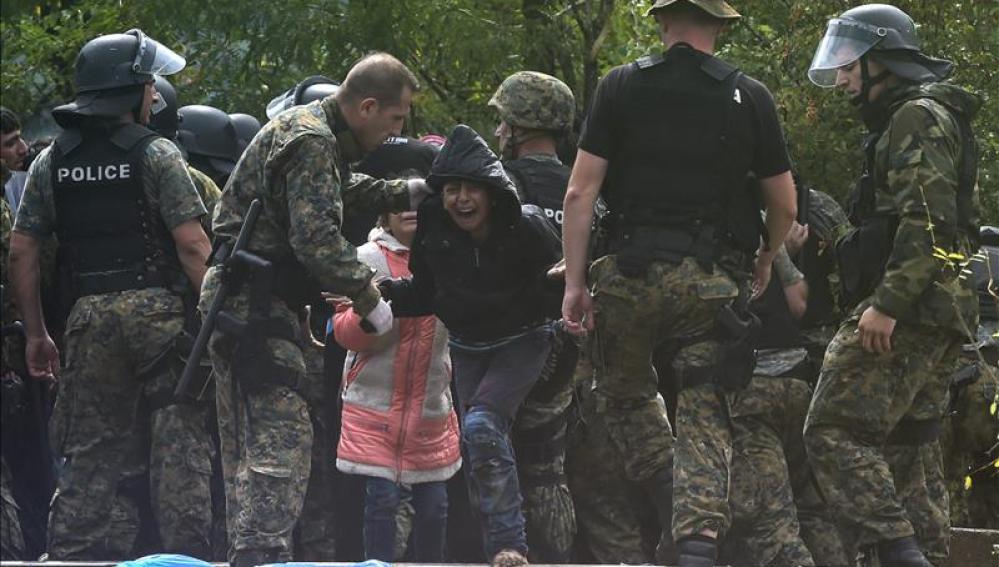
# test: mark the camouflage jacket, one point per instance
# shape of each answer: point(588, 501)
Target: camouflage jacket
point(209, 193)
point(298, 166)
point(915, 170)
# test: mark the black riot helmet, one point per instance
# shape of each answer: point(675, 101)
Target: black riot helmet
point(111, 71)
point(246, 128)
point(210, 139)
point(312, 88)
point(879, 31)
point(164, 119)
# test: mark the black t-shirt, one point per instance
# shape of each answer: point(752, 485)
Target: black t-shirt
point(755, 128)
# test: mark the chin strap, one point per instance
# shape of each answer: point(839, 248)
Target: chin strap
point(867, 82)
point(517, 138)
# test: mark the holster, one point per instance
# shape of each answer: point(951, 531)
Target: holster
point(738, 331)
point(251, 363)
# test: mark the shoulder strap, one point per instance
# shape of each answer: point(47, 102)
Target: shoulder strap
point(67, 141)
point(130, 135)
point(650, 60)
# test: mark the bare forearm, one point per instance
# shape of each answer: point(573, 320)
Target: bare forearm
point(25, 278)
point(192, 260)
point(576, 238)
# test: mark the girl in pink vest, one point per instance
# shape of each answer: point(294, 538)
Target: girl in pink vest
point(399, 425)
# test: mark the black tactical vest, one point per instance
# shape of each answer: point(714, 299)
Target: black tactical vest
point(109, 239)
point(679, 171)
point(778, 328)
point(543, 183)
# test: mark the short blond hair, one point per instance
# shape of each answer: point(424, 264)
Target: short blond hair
point(379, 76)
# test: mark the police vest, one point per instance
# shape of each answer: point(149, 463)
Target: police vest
point(682, 169)
point(543, 183)
point(778, 327)
point(109, 238)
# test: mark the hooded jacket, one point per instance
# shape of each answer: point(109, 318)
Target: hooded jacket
point(482, 292)
point(398, 420)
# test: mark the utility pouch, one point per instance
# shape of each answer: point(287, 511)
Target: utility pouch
point(861, 256)
point(738, 334)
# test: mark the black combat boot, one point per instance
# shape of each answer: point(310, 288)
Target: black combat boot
point(902, 552)
point(254, 557)
point(697, 551)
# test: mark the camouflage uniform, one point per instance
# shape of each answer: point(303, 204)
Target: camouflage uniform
point(634, 315)
point(299, 169)
point(11, 539)
point(539, 437)
point(611, 511)
point(113, 344)
point(210, 195)
point(861, 397)
point(778, 517)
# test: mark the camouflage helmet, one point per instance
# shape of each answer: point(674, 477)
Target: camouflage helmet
point(717, 8)
point(529, 99)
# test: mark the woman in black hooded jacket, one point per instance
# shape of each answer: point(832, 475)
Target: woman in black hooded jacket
point(479, 261)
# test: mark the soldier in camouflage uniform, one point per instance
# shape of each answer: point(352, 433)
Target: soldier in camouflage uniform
point(181, 446)
point(535, 110)
point(298, 166)
point(971, 430)
point(676, 134)
point(11, 539)
point(872, 426)
point(778, 517)
point(131, 242)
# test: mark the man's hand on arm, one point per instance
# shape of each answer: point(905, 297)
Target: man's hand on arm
point(584, 186)
point(41, 353)
point(193, 249)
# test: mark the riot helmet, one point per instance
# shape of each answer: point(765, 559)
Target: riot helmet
point(310, 89)
point(111, 71)
point(533, 100)
point(164, 119)
point(210, 139)
point(882, 32)
point(246, 128)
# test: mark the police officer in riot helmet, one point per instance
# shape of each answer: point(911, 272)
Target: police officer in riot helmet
point(676, 135)
point(311, 88)
point(881, 393)
point(535, 111)
point(130, 244)
point(210, 139)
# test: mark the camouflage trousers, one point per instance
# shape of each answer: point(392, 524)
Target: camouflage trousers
point(880, 492)
point(539, 437)
point(11, 538)
point(635, 316)
point(969, 439)
point(314, 534)
point(778, 517)
point(265, 430)
point(612, 512)
point(114, 348)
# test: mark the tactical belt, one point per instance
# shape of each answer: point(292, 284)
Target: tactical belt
point(671, 244)
point(97, 283)
point(913, 432)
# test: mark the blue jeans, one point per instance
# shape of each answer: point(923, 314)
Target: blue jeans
point(381, 504)
point(492, 480)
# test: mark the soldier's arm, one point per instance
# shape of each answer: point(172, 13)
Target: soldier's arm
point(793, 283)
point(315, 214)
point(366, 194)
point(922, 179)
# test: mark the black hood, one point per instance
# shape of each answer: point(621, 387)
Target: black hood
point(467, 156)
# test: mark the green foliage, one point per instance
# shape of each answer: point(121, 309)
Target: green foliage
point(242, 53)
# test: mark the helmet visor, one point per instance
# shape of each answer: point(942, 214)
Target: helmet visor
point(845, 42)
point(154, 58)
point(279, 104)
point(160, 104)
